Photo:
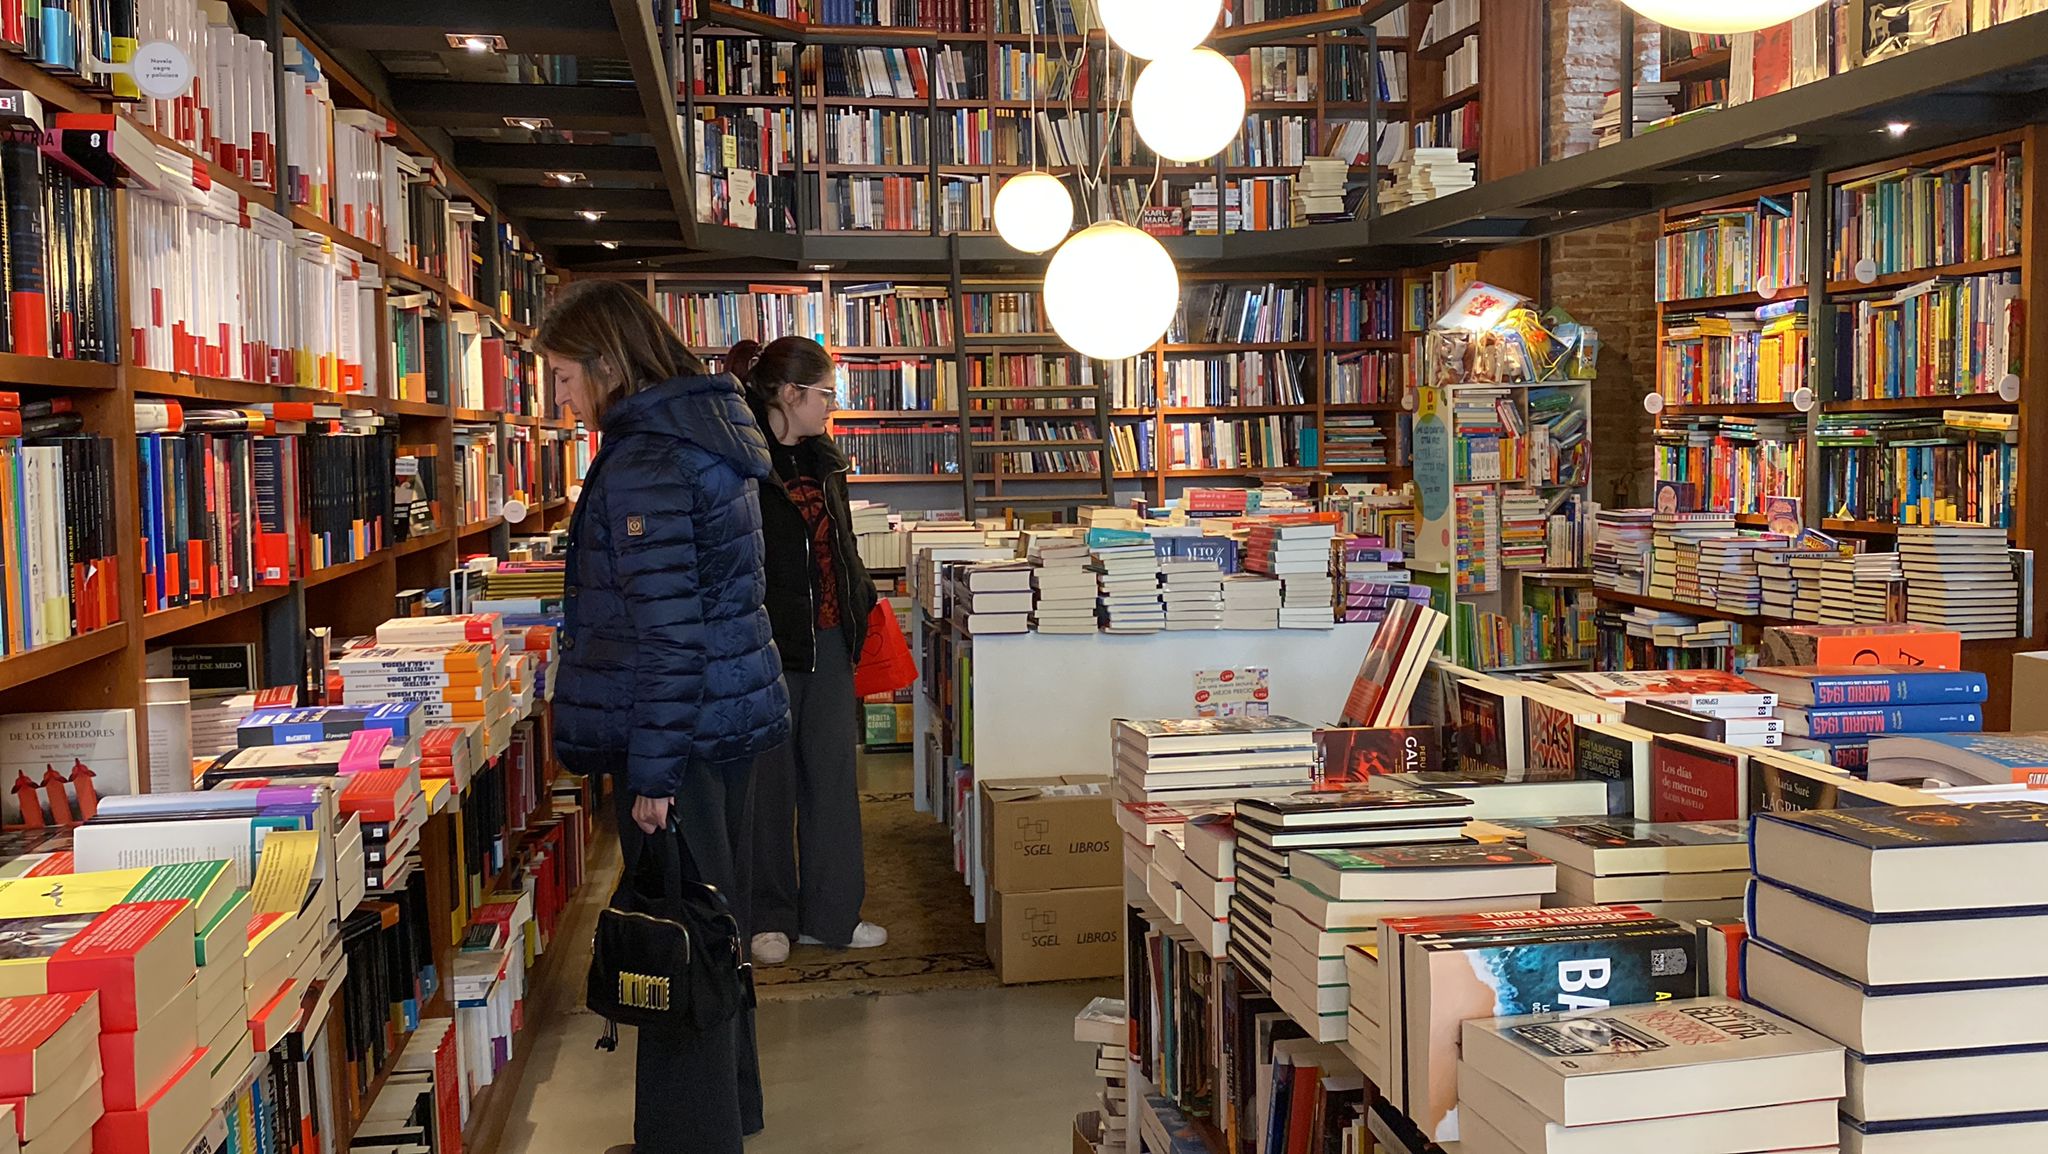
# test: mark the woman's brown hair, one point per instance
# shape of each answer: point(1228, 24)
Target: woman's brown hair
point(620, 340)
point(787, 361)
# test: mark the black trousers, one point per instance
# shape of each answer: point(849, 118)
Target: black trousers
point(700, 1093)
point(809, 873)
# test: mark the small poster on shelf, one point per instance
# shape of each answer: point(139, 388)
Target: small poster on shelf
point(1242, 692)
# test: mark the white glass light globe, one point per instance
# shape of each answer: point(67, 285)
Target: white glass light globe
point(1149, 29)
point(1721, 16)
point(1188, 107)
point(1034, 212)
point(1110, 291)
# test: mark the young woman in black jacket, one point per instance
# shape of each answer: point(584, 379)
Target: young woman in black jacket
point(808, 867)
point(668, 681)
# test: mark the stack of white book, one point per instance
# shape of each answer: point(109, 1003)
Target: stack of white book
point(992, 597)
point(1621, 550)
point(1193, 592)
point(1668, 630)
point(1211, 758)
point(1319, 189)
point(1064, 584)
point(1728, 575)
point(1678, 870)
point(1128, 581)
point(1203, 865)
point(1103, 1024)
point(1809, 569)
point(1686, 1074)
point(1856, 590)
point(1299, 555)
point(1912, 936)
point(1673, 533)
point(1960, 577)
point(1251, 602)
point(1426, 174)
point(1652, 102)
point(1785, 574)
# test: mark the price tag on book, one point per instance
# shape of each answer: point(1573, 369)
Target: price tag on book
point(1802, 398)
point(1653, 403)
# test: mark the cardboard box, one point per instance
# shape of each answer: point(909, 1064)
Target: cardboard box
point(2029, 688)
point(1918, 646)
point(1050, 834)
point(1087, 1131)
point(1057, 935)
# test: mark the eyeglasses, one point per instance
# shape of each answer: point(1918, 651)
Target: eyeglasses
point(815, 389)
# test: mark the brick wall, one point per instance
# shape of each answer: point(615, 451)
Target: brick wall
point(1603, 276)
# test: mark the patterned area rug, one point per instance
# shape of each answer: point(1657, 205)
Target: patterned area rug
point(934, 943)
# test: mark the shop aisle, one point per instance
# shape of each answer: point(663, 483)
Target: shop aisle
point(993, 1070)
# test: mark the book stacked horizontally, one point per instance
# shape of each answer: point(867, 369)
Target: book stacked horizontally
point(1102, 1024)
point(1858, 589)
point(1201, 759)
point(991, 596)
point(1251, 602)
point(1688, 1074)
point(1427, 974)
point(1298, 553)
point(1961, 577)
point(1334, 899)
point(1192, 589)
point(1319, 190)
point(1703, 703)
point(1652, 102)
point(1790, 577)
point(1728, 576)
point(454, 682)
point(1063, 584)
point(52, 1075)
point(391, 809)
point(1669, 630)
point(1809, 572)
point(1912, 936)
point(1270, 831)
point(1426, 174)
point(1374, 578)
point(1621, 549)
point(1684, 871)
point(1853, 704)
point(1127, 574)
point(1674, 533)
point(1203, 866)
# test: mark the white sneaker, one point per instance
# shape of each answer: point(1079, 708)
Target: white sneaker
point(771, 949)
point(866, 936)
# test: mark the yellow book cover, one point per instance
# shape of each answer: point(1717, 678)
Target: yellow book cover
point(285, 875)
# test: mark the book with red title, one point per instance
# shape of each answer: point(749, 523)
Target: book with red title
point(42, 1036)
point(1694, 780)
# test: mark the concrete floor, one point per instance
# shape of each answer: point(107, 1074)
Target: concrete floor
point(990, 1071)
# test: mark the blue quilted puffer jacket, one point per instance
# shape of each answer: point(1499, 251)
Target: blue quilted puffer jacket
point(666, 652)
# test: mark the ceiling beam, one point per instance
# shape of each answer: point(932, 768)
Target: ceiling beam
point(463, 104)
point(566, 203)
point(658, 107)
point(536, 26)
point(564, 233)
point(507, 163)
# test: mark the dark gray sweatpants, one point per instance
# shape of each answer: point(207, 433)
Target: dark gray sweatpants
point(809, 876)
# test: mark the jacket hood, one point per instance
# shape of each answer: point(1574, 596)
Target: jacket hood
point(707, 412)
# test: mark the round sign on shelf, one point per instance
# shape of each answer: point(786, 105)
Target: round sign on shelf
point(1653, 403)
point(1866, 271)
point(1407, 400)
point(576, 492)
point(161, 70)
point(2009, 387)
point(1766, 286)
point(515, 511)
point(1802, 399)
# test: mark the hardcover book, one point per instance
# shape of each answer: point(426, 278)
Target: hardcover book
point(1779, 783)
point(57, 766)
point(1910, 858)
point(1625, 846)
point(1962, 758)
point(1699, 690)
point(1695, 781)
point(1870, 686)
point(1619, 755)
point(1865, 722)
point(1489, 731)
point(1352, 756)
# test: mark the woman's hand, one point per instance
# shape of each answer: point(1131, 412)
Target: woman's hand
point(651, 813)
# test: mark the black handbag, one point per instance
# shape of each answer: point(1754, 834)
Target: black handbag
point(666, 954)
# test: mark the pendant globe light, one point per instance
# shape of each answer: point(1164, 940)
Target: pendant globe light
point(1110, 291)
point(1150, 29)
point(1033, 212)
point(1188, 107)
point(1721, 17)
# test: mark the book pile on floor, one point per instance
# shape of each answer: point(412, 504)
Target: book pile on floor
point(1678, 534)
point(1063, 584)
point(1207, 758)
point(1298, 553)
point(1127, 573)
point(1682, 871)
point(1374, 578)
point(1687, 1074)
point(1910, 936)
point(1621, 550)
point(1859, 589)
point(1961, 577)
point(1424, 175)
point(1102, 1024)
point(1251, 602)
point(991, 596)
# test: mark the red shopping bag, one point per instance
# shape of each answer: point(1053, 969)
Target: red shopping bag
point(885, 662)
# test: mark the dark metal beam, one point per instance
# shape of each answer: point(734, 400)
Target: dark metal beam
point(462, 104)
point(530, 163)
point(539, 26)
point(655, 95)
point(561, 233)
point(560, 203)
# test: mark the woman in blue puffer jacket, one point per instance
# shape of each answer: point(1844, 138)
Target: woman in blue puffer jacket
point(669, 681)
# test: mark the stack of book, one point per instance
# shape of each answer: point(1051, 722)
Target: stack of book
point(1911, 936)
point(1961, 577)
point(1708, 704)
point(1728, 577)
point(1251, 602)
point(1691, 1074)
point(1298, 553)
point(454, 683)
point(1859, 589)
point(991, 597)
point(1103, 1024)
point(1205, 869)
point(1209, 758)
point(1192, 588)
point(1430, 975)
point(1064, 585)
point(1621, 550)
point(1269, 831)
point(1791, 580)
point(1679, 871)
point(1319, 190)
point(1853, 704)
point(391, 809)
point(1374, 578)
point(53, 1077)
point(1672, 533)
point(1652, 103)
point(1677, 630)
point(1425, 174)
point(1336, 898)
point(1127, 575)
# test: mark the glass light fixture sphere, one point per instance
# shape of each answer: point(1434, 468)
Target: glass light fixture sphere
point(1111, 290)
point(1034, 212)
point(1188, 107)
point(1721, 16)
point(1150, 29)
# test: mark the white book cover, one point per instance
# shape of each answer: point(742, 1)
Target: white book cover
point(63, 763)
point(138, 845)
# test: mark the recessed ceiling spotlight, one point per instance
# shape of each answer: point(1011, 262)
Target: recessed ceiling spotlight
point(590, 214)
point(476, 42)
point(530, 123)
point(567, 177)
point(1898, 128)
point(608, 244)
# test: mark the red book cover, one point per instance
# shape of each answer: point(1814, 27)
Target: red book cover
point(374, 794)
point(128, 954)
point(30, 1024)
point(1691, 782)
point(1347, 757)
point(447, 1095)
point(163, 1124)
point(1519, 920)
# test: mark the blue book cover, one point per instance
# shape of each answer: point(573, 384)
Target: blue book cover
point(1221, 550)
point(1858, 687)
point(1924, 826)
point(1916, 719)
point(2030, 1126)
point(333, 723)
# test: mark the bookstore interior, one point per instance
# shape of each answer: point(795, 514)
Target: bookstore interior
point(1431, 628)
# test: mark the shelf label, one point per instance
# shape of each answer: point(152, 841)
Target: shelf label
point(1866, 271)
point(515, 511)
point(1653, 403)
point(1802, 398)
point(1767, 286)
point(1407, 400)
